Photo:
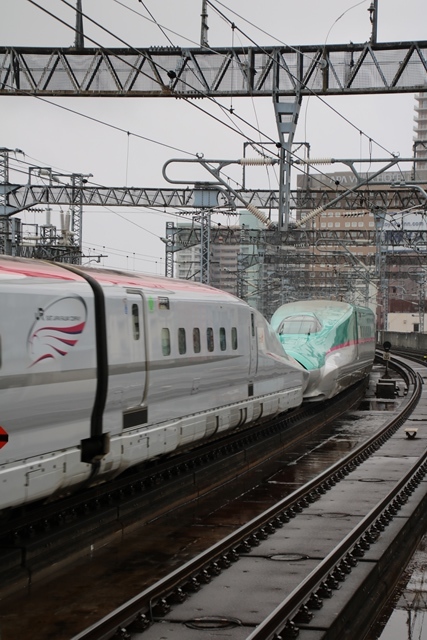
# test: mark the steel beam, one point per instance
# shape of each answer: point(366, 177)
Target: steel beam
point(20, 197)
point(171, 72)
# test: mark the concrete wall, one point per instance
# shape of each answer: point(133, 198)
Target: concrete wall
point(417, 341)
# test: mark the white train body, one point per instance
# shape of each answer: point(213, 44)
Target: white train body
point(103, 370)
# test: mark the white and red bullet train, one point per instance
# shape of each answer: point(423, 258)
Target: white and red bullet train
point(101, 370)
point(334, 341)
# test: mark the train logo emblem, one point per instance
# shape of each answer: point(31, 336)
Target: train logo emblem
point(57, 328)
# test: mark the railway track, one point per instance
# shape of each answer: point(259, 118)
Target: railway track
point(74, 524)
point(173, 601)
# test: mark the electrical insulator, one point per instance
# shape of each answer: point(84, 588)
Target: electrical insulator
point(258, 214)
point(257, 161)
point(317, 161)
point(311, 215)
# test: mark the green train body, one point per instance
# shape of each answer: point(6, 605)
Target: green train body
point(334, 341)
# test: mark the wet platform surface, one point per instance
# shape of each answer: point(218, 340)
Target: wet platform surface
point(261, 579)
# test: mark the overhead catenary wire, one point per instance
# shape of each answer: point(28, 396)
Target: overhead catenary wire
point(127, 255)
point(164, 69)
point(126, 62)
point(234, 28)
point(139, 51)
point(211, 3)
point(128, 136)
point(254, 210)
point(45, 179)
point(127, 132)
point(234, 129)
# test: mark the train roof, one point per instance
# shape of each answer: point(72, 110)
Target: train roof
point(318, 306)
point(325, 314)
point(329, 311)
point(13, 268)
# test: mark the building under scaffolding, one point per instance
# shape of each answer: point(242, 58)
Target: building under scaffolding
point(366, 256)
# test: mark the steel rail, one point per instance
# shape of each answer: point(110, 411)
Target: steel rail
point(155, 600)
point(129, 499)
point(367, 531)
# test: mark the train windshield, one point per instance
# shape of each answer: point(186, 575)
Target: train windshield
point(301, 325)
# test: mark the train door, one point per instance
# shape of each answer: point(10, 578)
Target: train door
point(134, 391)
point(253, 351)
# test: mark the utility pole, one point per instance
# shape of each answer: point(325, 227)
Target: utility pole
point(204, 28)
point(373, 13)
point(4, 181)
point(205, 246)
point(79, 40)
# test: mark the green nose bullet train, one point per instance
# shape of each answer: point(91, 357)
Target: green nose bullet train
point(334, 341)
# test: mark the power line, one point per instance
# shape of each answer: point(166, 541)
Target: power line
point(197, 106)
point(235, 130)
point(202, 94)
point(297, 51)
point(132, 66)
point(156, 23)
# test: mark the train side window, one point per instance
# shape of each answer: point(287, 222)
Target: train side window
point(182, 345)
point(253, 325)
point(196, 340)
point(135, 322)
point(166, 342)
point(222, 339)
point(210, 338)
point(234, 338)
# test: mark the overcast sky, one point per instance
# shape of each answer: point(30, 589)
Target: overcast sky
point(69, 142)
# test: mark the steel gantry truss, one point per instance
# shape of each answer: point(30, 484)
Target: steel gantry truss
point(310, 262)
point(286, 74)
point(297, 245)
point(280, 72)
point(396, 67)
point(20, 197)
